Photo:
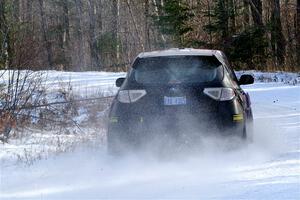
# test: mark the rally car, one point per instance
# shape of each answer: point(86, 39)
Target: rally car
point(181, 93)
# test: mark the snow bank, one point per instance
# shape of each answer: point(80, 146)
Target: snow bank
point(284, 77)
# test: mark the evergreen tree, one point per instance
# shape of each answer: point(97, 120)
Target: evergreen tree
point(248, 48)
point(220, 21)
point(242, 47)
point(174, 20)
point(8, 29)
point(3, 34)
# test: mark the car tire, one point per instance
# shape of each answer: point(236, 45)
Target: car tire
point(248, 128)
point(113, 143)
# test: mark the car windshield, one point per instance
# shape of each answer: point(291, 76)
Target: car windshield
point(176, 69)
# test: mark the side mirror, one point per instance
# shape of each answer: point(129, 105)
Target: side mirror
point(246, 79)
point(119, 82)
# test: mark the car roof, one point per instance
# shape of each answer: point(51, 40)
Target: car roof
point(177, 51)
point(183, 52)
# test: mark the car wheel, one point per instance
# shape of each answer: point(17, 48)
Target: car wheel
point(245, 132)
point(114, 143)
point(248, 131)
point(120, 141)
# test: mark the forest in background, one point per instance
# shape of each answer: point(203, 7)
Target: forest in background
point(85, 35)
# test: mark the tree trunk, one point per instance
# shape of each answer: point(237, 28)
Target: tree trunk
point(3, 35)
point(95, 61)
point(256, 11)
point(298, 35)
point(277, 38)
point(115, 30)
point(99, 8)
point(232, 16)
point(257, 16)
point(147, 27)
point(157, 13)
point(47, 43)
point(224, 18)
point(66, 23)
point(16, 10)
point(290, 57)
point(80, 64)
point(6, 45)
point(28, 14)
point(209, 23)
point(141, 44)
point(246, 14)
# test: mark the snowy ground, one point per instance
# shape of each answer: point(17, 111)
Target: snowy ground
point(269, 168)
point(85, 84)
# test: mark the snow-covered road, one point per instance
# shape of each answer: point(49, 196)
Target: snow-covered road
point(267, 169)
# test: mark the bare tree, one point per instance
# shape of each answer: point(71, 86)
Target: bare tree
point(277, 39)
point(246, 14)
point(46, 41)
point(18, 90)
point(95, 60)
point(256, 10)
point(3, 35)
point(80, 64)
point(147, 25)
point(104, 34)
point(115, 29)
point(6, 51)
point(66, 22)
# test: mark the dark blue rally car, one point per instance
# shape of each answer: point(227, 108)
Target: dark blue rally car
point(179, 93)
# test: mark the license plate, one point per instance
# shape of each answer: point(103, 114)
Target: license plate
point(172, 101)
